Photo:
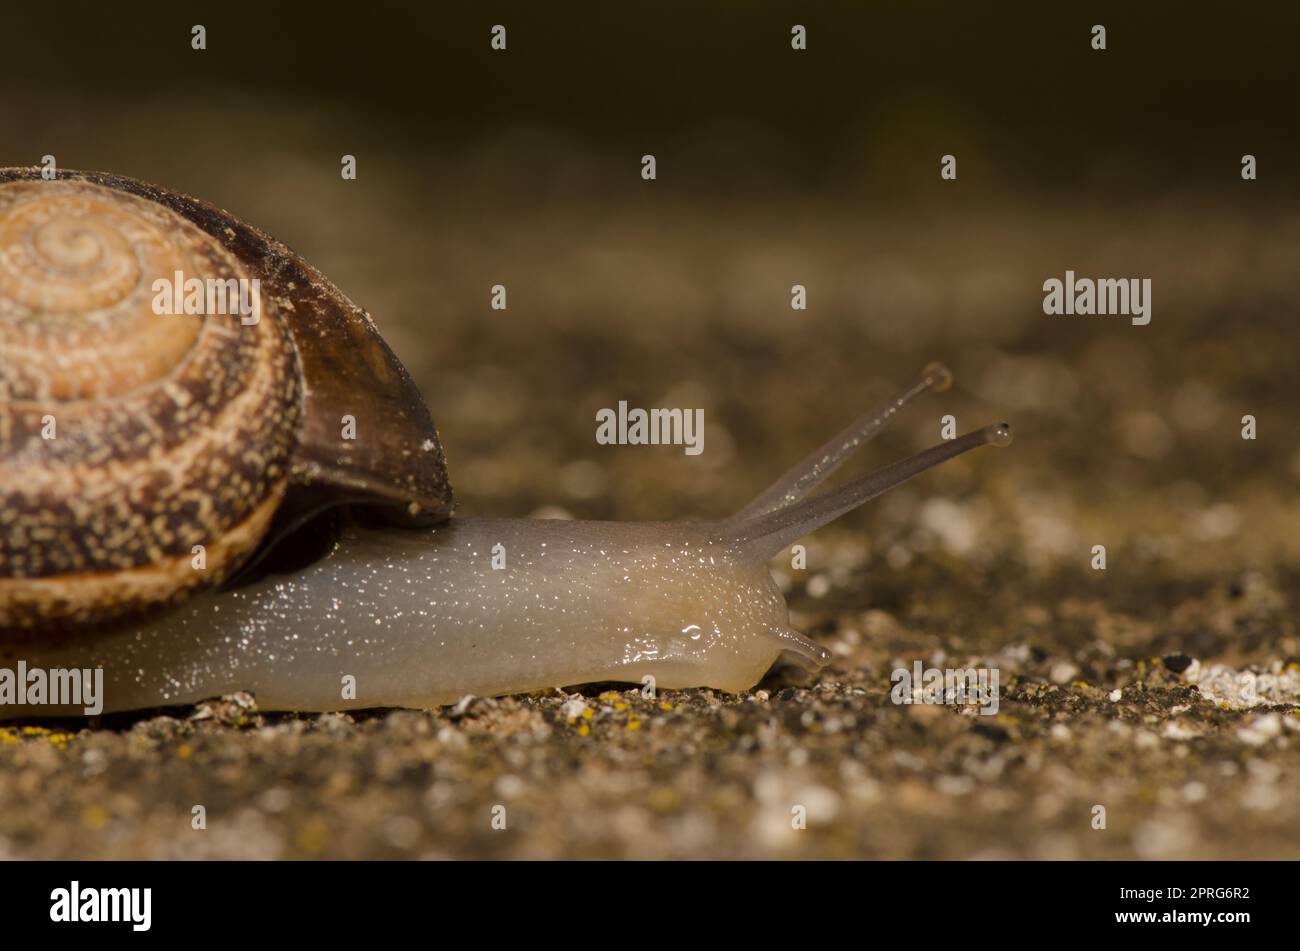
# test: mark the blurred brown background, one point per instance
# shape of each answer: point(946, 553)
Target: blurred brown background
point(775, 168)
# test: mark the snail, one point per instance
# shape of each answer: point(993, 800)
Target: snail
point(154, 471)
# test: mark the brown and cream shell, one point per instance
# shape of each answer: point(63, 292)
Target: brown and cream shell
point(129, 438)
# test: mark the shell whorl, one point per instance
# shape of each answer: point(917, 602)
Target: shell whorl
point(168, 431)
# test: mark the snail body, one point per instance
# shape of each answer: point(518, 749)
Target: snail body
point(416, 608)
point(420, 618)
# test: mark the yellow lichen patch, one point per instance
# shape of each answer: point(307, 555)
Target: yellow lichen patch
point(312, 836)
point(57, 739)
point(664, 799)
point(634, 724)
point(584, 730)
point(94, 817)
point(184, 751)
point(666, 706)
point(588, 713)
point(620, 706)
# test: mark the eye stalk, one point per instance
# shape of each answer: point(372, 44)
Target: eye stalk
point(999, 434)
point(818, 465)
point(937, 377)
point(781, 514)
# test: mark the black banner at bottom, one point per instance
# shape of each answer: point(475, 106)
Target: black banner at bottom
point(1223, 901)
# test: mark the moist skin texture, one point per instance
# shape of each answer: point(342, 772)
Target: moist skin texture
point(421, 618)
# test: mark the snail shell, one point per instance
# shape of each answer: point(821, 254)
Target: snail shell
point(127, 438)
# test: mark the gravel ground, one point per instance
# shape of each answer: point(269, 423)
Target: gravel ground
point(1184, 766)
point(1120, 688)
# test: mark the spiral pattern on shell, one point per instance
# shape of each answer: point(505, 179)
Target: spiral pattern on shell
point(127, 437)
